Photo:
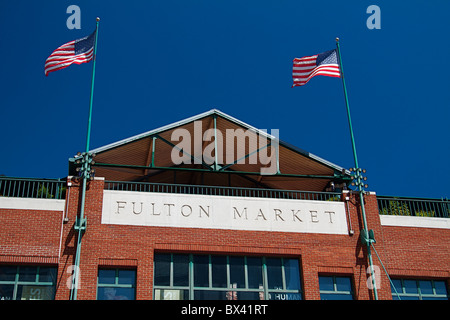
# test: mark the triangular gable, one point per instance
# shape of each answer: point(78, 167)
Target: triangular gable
point(245, 155)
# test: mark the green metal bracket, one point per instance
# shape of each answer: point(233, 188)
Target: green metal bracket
point(80, 224)
point(245, 157)
point(306, 176)
point(370, 239)
point(343, 176)
point(193, 158)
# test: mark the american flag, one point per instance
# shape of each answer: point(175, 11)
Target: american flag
point(76, 51)
point(324, 64)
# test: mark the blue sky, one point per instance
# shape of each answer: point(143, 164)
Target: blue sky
point(162, 61)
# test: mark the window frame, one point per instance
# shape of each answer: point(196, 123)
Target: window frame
point(264, 291)
point(116, 283)
point(17, 282)
point(335, 290)
point(419, 294)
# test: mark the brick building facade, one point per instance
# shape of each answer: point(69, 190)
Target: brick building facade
point(147, 259)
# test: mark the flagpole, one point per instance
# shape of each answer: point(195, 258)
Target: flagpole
point(88, 136)
point(365, 231)
point(80, 224)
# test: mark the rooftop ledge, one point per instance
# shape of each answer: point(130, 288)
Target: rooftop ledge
point(32, 204)
point(417, 222)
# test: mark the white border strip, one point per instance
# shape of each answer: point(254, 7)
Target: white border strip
point(415, 222)
point(32, 204)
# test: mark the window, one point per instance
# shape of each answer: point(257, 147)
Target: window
point(116, 284)
point(410, 289)
point(220, 277)
point(27, 282)
point(335, 288)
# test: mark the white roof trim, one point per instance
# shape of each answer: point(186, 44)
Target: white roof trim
point(180, 123)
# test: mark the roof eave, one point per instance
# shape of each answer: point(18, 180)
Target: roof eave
point(229, 118)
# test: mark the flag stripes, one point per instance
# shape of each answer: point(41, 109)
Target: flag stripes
point(304, 69)
point(76, 51)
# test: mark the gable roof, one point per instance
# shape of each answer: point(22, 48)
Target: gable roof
point(148, 157)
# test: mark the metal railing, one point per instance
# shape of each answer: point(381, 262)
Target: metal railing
point(420, 207)
point(221, 191)
point(32, 188)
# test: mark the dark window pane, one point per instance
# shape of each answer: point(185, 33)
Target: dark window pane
point(210, 295)
point(410, 286)
point(434, 298)
point(127, 277)
point(6, 291)
point(248, 296)
point(8, 273)
point(237, 272)
point(397, 285)
point(425, 287)
point(333, 296)
point(201, 271)
point(162, 269)
point(108, 293)
point(254, 268)
point(440, 287)
point(180, 270)
point(27, 273)
point(47, 274)
point(219, 271)
point(275, 280)
point(292, 274)
point(343, 284)
point(326, 284)
point(107, 276)
point(410, 297)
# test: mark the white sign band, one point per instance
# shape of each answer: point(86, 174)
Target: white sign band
point(221, 212)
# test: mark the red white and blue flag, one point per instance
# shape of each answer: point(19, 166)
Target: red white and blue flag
point(76, 51)
point(322, 64)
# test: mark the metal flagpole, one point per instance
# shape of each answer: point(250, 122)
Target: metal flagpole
point(366, 238)
point(80, 223)
point(88, 136)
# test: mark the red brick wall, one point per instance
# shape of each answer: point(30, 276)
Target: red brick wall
point(404, 251)
point(29, 236)
point(417, 252)
point(133, 246)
